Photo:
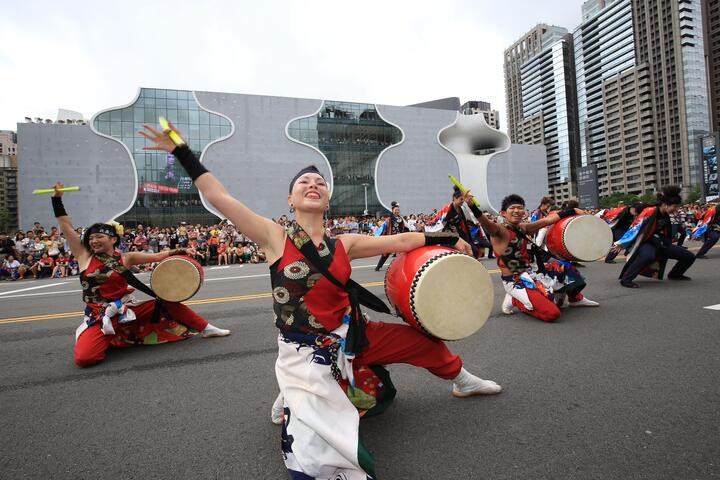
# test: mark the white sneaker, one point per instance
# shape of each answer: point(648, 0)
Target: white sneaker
point(507, 305)
point(213, 331)
point(277, 414)
point(585, 302)
point(468, 385)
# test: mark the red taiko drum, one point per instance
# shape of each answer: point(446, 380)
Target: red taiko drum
point(583, 238)
point(440, 291)
point(176, 278)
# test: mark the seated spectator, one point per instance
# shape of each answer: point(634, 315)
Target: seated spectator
point(44, 266)
point(72, 267)
point(38, 248)
point(60, 269)
point(222, 253)
point(247, 252)
point(9, 268)
point(233, 253)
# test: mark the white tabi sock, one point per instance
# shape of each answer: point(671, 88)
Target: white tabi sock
point(466, 385)
point(213, 331)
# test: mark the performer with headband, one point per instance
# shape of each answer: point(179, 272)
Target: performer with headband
point(461, 217)
point(329, 357)
point(393, 225)
point(539, 294)
point(538, 251)
point(112, 316)
point(620, 220)
point(649, 240)
point(709, 229)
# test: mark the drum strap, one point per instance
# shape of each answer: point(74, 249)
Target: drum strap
point(356, 340)
point(133, 281)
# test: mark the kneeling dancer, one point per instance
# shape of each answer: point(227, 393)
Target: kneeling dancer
point(329, 365)
point(649, 240)
point(541, 293)
point(709, 230)
point(113, 318)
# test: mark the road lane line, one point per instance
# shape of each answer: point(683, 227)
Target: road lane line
point(34, 288)
point(713, 307)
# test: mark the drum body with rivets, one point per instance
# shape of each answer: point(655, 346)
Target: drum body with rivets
point(440, 291)
point(583, 238)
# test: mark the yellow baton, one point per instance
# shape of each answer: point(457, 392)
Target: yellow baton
point(52, 190)
point(462, 188)
point(177, 139)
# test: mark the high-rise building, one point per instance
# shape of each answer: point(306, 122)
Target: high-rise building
point(669, 40)
point(711, 30)
point(8, 177)
point(609, 106)
point(8, 142)
point(529, 45)
point(542, 101)
point(475, 107)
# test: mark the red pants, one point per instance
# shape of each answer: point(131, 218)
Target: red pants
point(543, 308)
point(92, 344)
point(396, 343)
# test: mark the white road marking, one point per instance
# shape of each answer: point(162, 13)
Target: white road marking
point(713, 307)
point(33, 288)
point(238, 277)
point(42, 294)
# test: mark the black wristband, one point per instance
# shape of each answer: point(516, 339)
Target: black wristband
point(446, 239)
point(569, 212)
point(58, 207)
point(189, 161)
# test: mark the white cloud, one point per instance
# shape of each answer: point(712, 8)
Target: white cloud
point(90, 56)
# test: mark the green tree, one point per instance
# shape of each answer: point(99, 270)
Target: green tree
point(648, 198)
point(694, 195)
point(4, 219)
point(613, 199)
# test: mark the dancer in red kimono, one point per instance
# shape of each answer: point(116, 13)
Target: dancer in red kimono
point(330, 357)
point(113, 318)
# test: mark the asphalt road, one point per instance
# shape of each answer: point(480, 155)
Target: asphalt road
point(628, 390)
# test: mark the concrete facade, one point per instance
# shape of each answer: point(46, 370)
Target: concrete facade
point(257, 158)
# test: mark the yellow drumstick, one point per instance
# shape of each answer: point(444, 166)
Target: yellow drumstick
point(177, 139)
point(52, 190)
point(462, 188)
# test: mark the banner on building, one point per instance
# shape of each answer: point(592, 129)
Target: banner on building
point(710, 169)
point(587, 187)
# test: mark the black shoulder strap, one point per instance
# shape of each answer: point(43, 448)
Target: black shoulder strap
point(133, 281)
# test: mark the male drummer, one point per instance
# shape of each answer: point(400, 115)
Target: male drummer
point(461, 217)
point(538, 294)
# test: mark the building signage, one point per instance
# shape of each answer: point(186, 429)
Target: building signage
point(587, 184)
point(709, 159)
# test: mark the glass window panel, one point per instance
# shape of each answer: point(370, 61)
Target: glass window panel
point(161, 93)
point(204, 132)
point(194, 116)
point(127, 115)
point(115, 129)
point(172, 115)
point(183, 116)
point(115, 116)
point(150, 116)
point(204, 117)
point(183, 103)
point(214, 119)
point(127, 129)
point(138, 115)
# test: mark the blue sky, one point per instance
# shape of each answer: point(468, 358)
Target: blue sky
point(87, 56)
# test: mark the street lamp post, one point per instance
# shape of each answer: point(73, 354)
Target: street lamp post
point(365, 212)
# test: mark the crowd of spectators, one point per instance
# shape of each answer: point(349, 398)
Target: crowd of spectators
point(39, 253)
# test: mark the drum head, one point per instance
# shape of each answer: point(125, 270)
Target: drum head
point(176, 279)
point(587, 238)
point(452, 296)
